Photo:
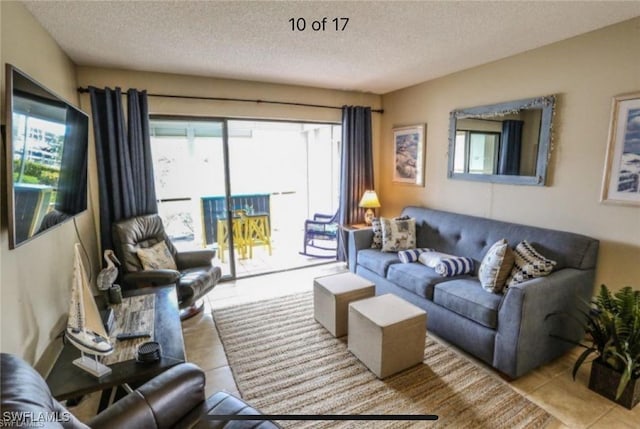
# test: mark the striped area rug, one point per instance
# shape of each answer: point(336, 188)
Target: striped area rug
point(284, 362)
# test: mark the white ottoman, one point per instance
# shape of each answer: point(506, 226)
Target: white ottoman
point(387, 334)
point(331, 298)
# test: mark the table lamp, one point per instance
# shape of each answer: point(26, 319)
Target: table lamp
point(369, 201)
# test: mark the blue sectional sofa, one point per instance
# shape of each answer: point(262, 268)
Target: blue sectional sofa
point(507, 330)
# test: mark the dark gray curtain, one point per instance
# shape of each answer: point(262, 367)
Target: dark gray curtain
point(74, 162)
point(356, 163)
point(123, 153)
point(510, 147)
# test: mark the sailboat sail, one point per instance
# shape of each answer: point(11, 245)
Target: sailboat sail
point(84, 327)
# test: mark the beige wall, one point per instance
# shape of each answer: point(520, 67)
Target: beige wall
point(585, 72)
point(35, 278)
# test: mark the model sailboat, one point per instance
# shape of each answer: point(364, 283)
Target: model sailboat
point(84, 327)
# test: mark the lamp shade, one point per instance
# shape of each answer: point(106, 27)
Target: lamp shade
point(369, 200)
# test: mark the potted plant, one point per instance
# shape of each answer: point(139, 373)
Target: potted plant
point(613, 331)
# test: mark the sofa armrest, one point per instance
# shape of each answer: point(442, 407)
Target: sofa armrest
point(358, 239)
point(524, 339)
point(161, 402)
point(195, 258)
point(140, 279)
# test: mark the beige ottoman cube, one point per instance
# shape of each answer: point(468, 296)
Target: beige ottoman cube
point(331, 298)
point(387, 334)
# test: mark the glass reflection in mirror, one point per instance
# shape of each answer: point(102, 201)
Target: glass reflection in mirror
point(504, 143)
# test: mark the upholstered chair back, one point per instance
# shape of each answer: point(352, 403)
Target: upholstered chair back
point(138, 233)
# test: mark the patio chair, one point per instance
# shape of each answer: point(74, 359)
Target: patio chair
point(319, 233)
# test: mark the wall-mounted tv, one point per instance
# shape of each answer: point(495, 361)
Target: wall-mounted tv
point(46, 155)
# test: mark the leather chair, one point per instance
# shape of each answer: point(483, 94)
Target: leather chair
point(174, 399)
point(195, 275)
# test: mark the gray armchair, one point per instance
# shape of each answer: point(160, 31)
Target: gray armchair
point(194, 277)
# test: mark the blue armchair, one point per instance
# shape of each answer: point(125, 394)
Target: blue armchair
point(321, 233)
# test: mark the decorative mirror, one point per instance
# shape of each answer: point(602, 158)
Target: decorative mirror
point(502, 143)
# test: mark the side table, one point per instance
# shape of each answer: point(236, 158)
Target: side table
point(67, 381)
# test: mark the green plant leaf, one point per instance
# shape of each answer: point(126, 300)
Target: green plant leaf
point(580, 361)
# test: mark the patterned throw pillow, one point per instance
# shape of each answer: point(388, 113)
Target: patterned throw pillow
point(377, 234)
point(398, 234)
point(496, 267)
point(411, 255)
point(448, 267)
point(156, 257)
point(529, 264)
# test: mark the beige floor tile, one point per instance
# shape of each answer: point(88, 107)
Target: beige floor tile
point(571, 401)
point(205, 338)
point(556, 424)
point(220, 379)
point(530, 382)
point(620, 417)
point(208, 358)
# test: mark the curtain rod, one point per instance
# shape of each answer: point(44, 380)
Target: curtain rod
point(242, 100)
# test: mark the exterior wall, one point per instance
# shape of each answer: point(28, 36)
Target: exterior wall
point(585, 72)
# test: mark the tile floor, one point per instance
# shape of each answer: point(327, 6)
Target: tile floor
point(551, 387)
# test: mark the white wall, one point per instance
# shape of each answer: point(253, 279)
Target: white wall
point(585, 72)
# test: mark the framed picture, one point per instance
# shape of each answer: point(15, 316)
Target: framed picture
point(621, 182)
point(408, 155)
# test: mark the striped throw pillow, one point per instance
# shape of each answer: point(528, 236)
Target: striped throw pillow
point(529, 264)
point(411, 255)
point(455, 266)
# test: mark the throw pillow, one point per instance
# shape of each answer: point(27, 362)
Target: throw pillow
point(156, 257)
point(529, 264)
point(398, 234)
point(455, 266)
point(377, 234)
point(432, 258)
point(411, 255)
point(496, 267)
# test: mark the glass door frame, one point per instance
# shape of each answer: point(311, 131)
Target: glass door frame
point(224, 121)
point(227, 177)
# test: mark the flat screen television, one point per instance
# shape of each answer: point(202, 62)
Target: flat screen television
point(46, 155)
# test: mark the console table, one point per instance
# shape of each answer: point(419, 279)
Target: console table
point(67, 381)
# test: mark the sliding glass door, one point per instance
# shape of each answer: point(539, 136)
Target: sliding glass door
point(220, 182)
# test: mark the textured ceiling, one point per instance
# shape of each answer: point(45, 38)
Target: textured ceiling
point(385, 45)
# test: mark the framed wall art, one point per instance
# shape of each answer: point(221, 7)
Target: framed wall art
point(621, 181)
point(408, 155)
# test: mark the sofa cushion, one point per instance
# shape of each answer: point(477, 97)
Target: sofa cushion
point(449, 267)
point(376, 227)
point(433, 258)
point(411, 255)
point(416, 278)
point(156, 257)
point(467, 298)
point(496, 266)
point(529, 264)
point(377, 261)
point(398, 234)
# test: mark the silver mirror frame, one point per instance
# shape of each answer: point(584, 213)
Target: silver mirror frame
point(546, 103)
